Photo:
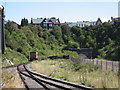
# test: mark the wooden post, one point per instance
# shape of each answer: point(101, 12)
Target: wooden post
point(97, 62)
point(112, 66)
point(106, 65)
point(101, 64)
point(93, 61)
point(84, 60)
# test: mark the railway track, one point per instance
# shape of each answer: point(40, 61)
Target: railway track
point(33, 80)
point(15, 65)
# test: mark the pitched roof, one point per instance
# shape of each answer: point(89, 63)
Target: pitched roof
point(37, 21)
point(55, 21)
point(118, 18)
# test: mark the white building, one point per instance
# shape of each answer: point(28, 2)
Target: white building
point(83, 23)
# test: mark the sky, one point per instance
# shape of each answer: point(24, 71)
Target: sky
point(65, 11)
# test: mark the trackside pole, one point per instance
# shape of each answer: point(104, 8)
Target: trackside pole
point(2, 40)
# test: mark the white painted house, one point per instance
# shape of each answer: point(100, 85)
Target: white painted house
point(83, 23)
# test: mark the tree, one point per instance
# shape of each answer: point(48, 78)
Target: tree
point(24, 22)
point(10, 26)
point(53, 17)
point(76, 30)
point(57, 32)
point(65, 29)
point(72, 44)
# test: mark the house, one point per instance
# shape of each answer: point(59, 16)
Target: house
point(17, 26)
point(98, 21)
point(114, 19)
point(80, 23)
point(84, 23)
point(46, 24)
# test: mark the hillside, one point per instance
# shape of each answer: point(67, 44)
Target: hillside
point(104, 38)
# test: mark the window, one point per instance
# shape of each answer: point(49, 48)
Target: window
point(50, 24)
point(37, 24)
point(82, 25)
point(45, 25)
point(50, 28)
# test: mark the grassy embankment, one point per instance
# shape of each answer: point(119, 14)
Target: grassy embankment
point(14, 56)
point(11, 79)
point(83, 74)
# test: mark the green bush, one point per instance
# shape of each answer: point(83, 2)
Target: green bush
point(104, 37)
point(14, 56)
point(88, 66)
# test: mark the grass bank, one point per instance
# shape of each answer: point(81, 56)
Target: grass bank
point(11, 79)
point(66, 70)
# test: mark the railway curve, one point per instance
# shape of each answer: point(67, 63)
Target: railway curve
point(33, 80)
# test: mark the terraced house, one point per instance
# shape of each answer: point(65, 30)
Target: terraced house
point(46, 24)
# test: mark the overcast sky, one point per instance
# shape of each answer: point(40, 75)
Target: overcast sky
point(65, 11)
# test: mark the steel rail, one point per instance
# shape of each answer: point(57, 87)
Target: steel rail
point(21, 73)
point(60, 81)
point(39, 81)
point(52, 84)
point(22, 79)
point(64, 82)
point(15, 65)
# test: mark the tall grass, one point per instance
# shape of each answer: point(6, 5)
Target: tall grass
point(63, 69)
point(11, 79)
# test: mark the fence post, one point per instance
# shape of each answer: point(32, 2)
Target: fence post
point(106, 65)
point(85, 61)
point(119, 68)
point(82, 60)
point(101, 64)
point(112, 67)
point(97, 62)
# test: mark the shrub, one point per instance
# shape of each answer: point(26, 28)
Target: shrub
point(88, 66)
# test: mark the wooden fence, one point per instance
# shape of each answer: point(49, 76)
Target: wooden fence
point(104, 65)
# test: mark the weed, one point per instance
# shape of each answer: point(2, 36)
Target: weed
point(79, 73)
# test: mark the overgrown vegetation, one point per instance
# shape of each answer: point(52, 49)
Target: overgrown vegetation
point(89, 67)
point(86, 74)
point(10, 79)
point(104, 38)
